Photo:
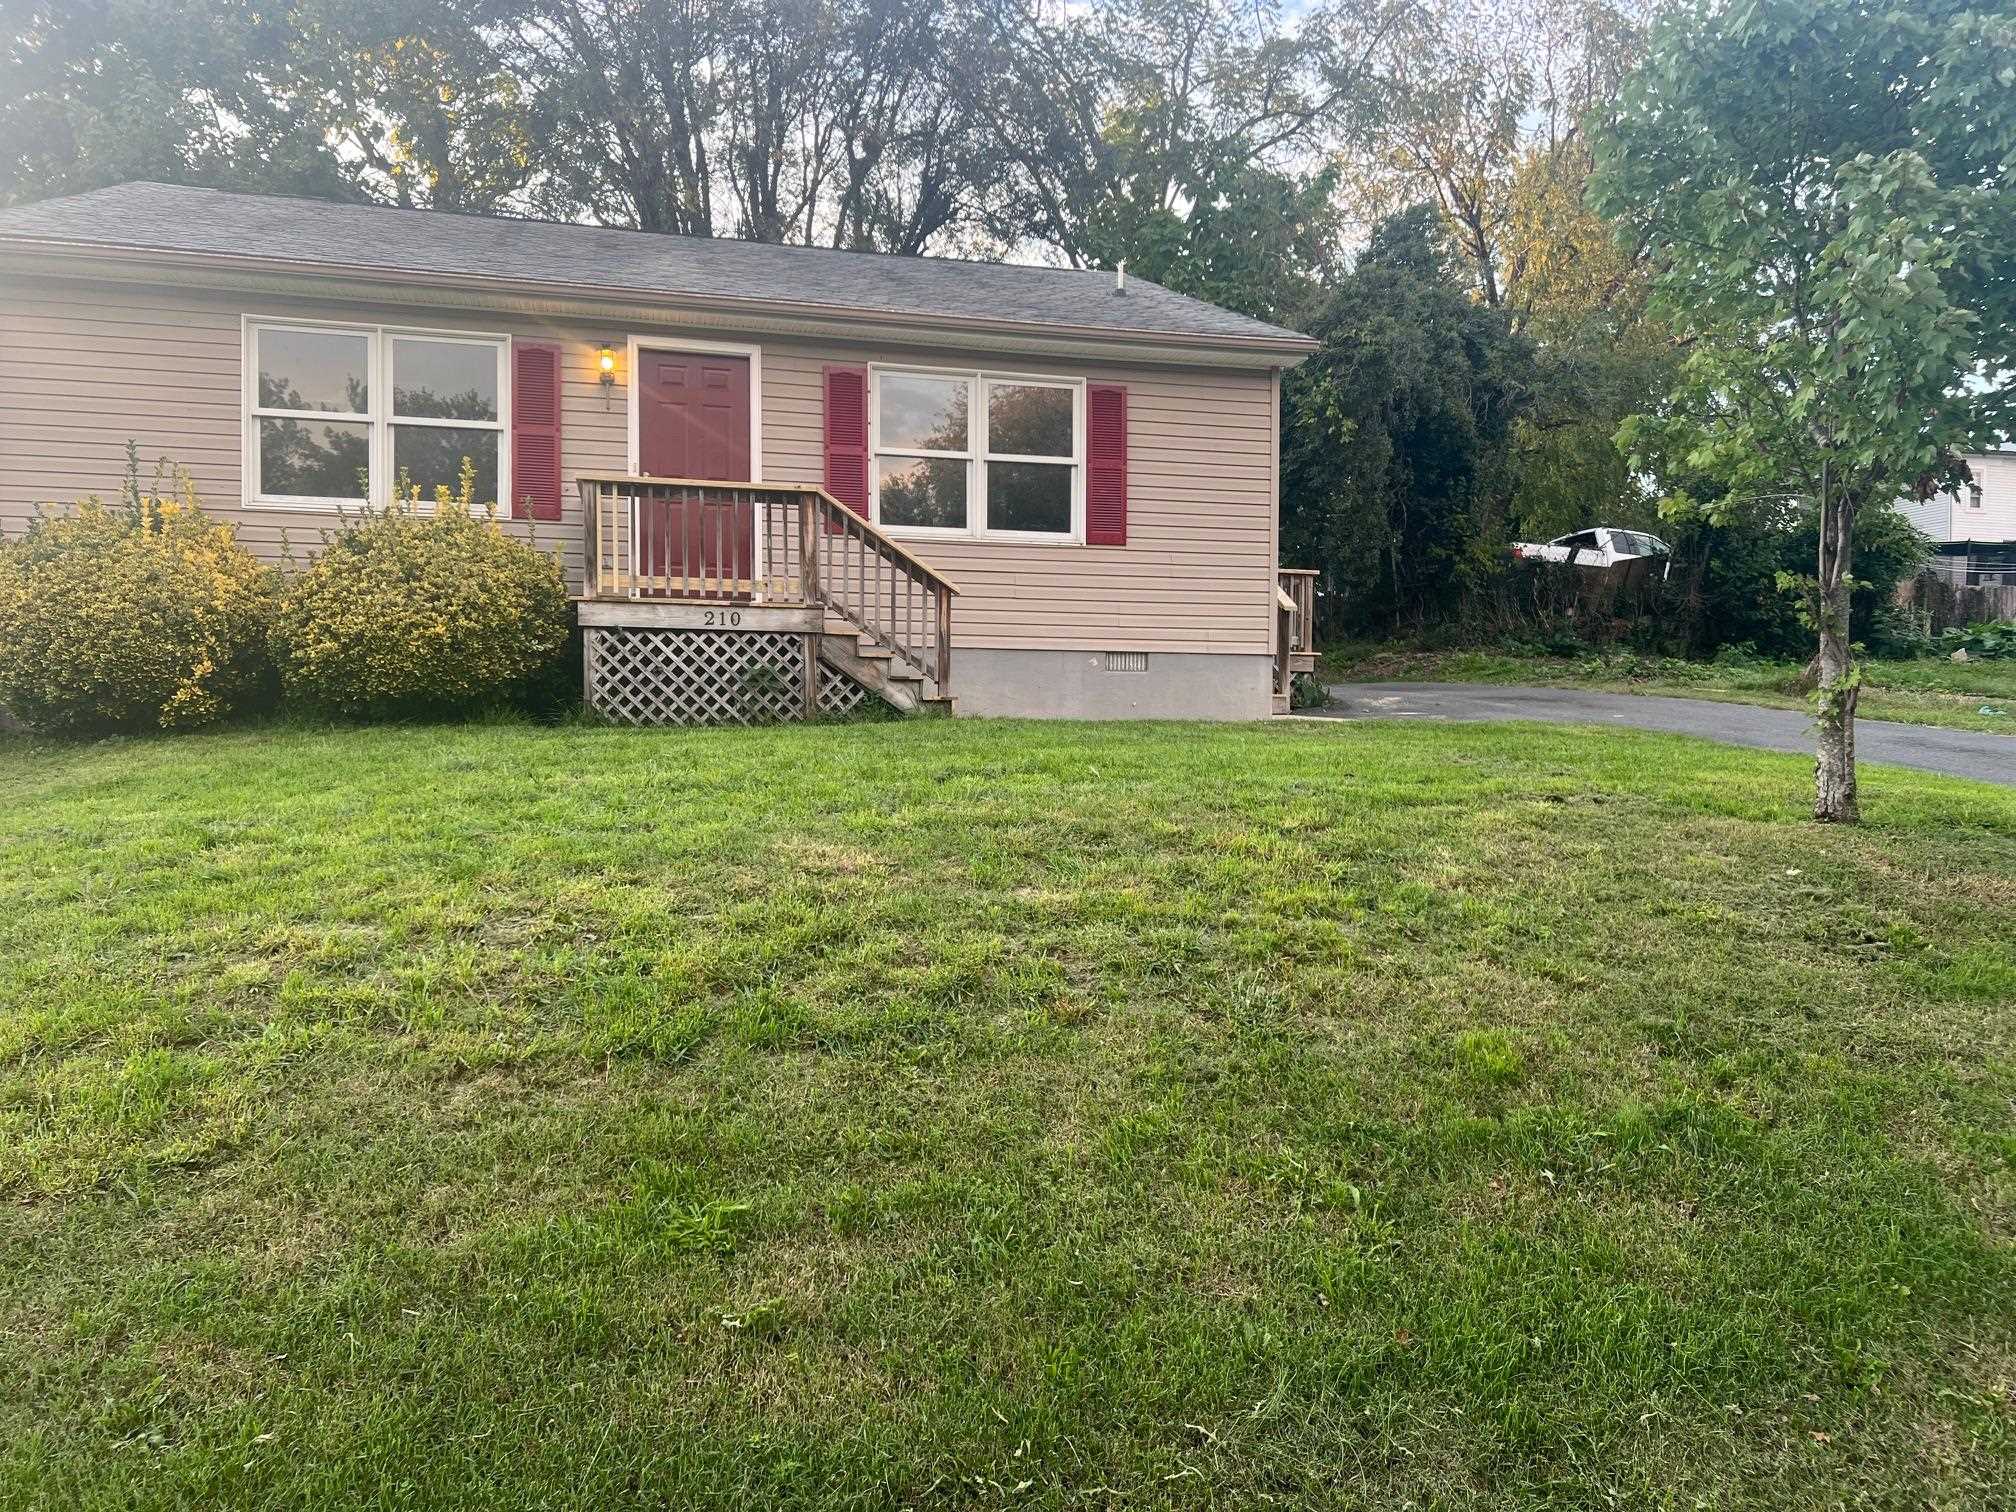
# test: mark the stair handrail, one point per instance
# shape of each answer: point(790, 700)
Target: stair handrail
point(827, 519)
point(845, 514)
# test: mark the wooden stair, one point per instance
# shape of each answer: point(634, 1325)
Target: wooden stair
point(877, 668)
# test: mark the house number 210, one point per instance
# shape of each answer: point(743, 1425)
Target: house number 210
point(724, 617)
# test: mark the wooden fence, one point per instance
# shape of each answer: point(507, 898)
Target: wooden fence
point(1941, 604)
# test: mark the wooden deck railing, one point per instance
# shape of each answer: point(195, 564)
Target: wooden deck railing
point(764, 543)
point(1294, 629)
point(1299, 584)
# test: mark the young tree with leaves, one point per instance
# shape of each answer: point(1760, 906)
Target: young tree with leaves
point(1827, 185)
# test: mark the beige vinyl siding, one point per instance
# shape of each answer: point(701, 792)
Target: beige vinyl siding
point(85, 367)
point(1197, 571)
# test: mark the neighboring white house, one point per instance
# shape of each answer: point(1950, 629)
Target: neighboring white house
point(1984, 512)
point(1973, 531)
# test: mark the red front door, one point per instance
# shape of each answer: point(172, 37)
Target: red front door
point(693, 422)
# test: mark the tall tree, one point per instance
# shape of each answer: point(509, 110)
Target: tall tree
point(1397, 431)
point(93, 92)
point(1477, 106)
point(399, 100)
point(833, 122)
point(1479, 110)
point(1262, 242)
point(414, 94)
point(1122, 121)
point(1580, 294)
point(1834, 250)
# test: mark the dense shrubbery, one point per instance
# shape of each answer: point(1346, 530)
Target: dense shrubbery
point(1740, 567)
point(1434, 429)
point(1985, 640)
point(150, 615)
point(147, 615)
point(418, 613)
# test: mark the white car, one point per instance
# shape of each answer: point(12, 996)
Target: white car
point(1602, 547)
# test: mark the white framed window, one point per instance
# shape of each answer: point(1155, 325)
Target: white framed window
point(334, 414)
point(994, 455)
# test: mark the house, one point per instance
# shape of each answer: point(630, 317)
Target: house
point(775, 473)
point(1972, 529)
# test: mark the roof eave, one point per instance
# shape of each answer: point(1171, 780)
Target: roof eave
point(74, 258)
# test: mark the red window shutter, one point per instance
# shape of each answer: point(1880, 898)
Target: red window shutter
point(535, 430)
point(1105, 465)
point(847, 437)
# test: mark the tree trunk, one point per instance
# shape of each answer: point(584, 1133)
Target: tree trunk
point(1834, 800)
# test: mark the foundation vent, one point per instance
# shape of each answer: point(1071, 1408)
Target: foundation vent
point(1126, 661)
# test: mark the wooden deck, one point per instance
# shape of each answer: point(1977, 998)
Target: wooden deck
point(709, 587)
point(706, 601)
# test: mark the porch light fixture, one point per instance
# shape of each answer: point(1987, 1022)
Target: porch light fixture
point(607, 363)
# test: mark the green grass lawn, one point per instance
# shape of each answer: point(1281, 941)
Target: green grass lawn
point(967, 1114)
point(1977, 695)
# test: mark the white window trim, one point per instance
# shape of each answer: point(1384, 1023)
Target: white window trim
point(977, 456)
point(379, 345)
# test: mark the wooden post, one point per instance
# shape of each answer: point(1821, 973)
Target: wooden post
point(1284, 641)
point(811, 674)
point(636, 560)
point(808, 548)
point(944, 673)
point(591, 539)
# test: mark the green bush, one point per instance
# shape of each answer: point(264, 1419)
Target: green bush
point(1984, 640)
point(409, 613)
point(1740, 599)
point(144, 616)
point(1896, 633)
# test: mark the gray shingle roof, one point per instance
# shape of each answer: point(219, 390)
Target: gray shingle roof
point(172, 219)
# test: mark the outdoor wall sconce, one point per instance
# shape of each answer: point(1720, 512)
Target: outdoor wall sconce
point(607, 363)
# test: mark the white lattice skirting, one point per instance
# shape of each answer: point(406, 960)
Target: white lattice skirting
point(839, 693)
point(697, 677)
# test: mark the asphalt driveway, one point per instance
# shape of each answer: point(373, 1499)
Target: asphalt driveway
point(1957, 753)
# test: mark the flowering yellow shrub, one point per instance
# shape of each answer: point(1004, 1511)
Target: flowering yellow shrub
point(411, 613)
point(132, 617)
